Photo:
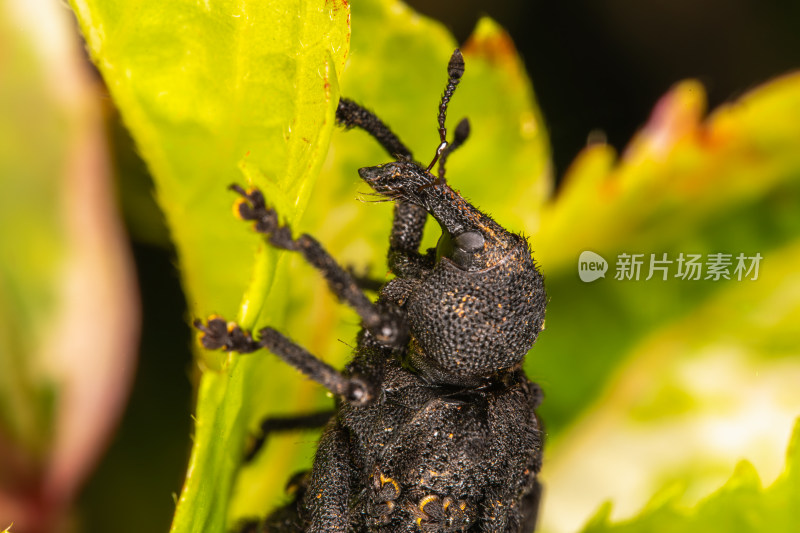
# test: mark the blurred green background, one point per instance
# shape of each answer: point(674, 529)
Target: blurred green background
point(598, 69)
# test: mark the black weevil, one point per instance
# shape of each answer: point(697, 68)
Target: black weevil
point(434, 427)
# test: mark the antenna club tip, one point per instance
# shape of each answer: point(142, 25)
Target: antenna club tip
point(455, 68)
point(462, 130)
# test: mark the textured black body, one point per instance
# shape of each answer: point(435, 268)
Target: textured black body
point(479, 445)
point(434, 428)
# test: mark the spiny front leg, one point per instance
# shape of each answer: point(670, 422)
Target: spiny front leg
point(351, 115)
point(386, 322)
point(404, 258)
point(409, 219)
point(220, 335)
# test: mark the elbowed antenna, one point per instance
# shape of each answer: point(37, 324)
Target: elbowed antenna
point(455, 69)
point(462, 132)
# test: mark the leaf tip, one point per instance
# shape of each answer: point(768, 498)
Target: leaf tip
point(676, 115)
point(745, 474)
point(491, 42)
point(793, 453)
point(600, 519)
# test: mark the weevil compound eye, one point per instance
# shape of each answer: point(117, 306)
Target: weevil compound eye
point(460, 249)
point(470, 241)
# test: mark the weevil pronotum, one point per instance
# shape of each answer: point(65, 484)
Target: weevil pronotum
point(434, 427)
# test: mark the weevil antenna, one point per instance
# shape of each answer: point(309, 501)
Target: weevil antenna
point(455, 69)
point(462, 132)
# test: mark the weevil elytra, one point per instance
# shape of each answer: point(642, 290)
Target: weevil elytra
point(434, 427)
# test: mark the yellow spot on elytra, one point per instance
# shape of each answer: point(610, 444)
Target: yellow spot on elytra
point(385, 480)
point(426, 500)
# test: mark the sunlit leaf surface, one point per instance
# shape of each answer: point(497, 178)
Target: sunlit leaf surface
point(742, 505)
point(215, 93)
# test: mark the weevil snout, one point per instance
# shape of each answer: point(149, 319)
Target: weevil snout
point(398, 180)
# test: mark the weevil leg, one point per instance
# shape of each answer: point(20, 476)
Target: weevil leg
point(276, 424)
point(409, 219)
point(220, 335)
point(248, 526)
point(326, 504)
point(386, 324)
point(351, 115)
point(364, 281)
point(404, 258)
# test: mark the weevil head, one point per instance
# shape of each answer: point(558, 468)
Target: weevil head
point(482, 306)
point(471, 240)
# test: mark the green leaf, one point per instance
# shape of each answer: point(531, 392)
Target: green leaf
point(656, 382)
point(740, 506)
point(211, 90)
point(205, 88)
